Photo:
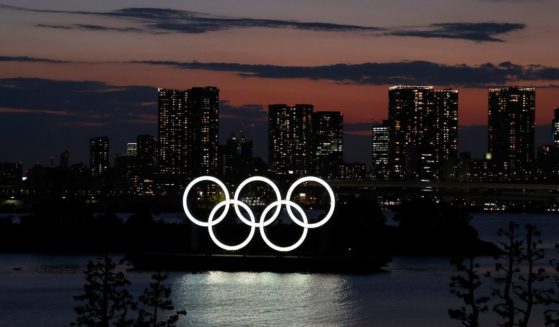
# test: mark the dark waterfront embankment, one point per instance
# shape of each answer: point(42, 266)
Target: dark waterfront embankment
point(356, 239)
point(259, 263)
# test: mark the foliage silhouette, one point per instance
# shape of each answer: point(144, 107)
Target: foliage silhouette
point(465, 286)
point(155, 303)
point(552, 314)
point(518, 291)
point(106, 300)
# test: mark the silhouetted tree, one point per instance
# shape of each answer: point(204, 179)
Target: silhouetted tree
point(155, 304)
point(505, 271)
point(530, 291)
point(465, 286)
point(518, 292)
point(552, 314)
point(106, 301)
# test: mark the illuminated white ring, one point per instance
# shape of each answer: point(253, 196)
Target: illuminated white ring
point(263, 224)
point(263, 180)
point(187, 191)
point(330, 193)
point(211, 223)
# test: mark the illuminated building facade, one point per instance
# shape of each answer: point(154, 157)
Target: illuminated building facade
point(290, 139)
point(511, 141)
point(146, 158)
point(10, 177)
point(188, 131)
point(131, 149)
point(202, 131)
point(99, 155)
point(380, 138)
point(353, 170)
point(423, 132)
point(555, 124)
point(328, 129)
point(446, 141)
point(172, 132)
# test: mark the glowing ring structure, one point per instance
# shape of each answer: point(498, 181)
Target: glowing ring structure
point(218, 220)
point(262, 222)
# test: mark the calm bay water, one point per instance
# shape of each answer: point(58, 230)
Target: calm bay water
point(414, 291)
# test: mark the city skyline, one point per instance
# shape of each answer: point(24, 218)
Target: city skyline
point(443, 101)
point(77, 70)
point(417, 143)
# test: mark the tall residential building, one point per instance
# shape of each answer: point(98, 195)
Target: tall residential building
point(290, 143)
point(172, 132)
point(99, 155)
point(131, 149)
point(146, 162)
point(10, 178)
point(354, 170)
point(423, 131)
point(146, 151)
point(202, 131)
point(446, 108)
point(555, 124)
point(328, 130)
point(189, 131)
point(380, 137)
point(511, 127)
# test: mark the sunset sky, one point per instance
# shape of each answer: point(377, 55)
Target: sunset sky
point(71, 70)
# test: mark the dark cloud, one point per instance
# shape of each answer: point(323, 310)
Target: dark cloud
point(408, 72)
point(90, 99)
point(249, 112)
point(181, 21)
point(480, 32)
point(194, 22)
point(405, 72)
point(161, 20)
point(29, 59)
point(90, 27)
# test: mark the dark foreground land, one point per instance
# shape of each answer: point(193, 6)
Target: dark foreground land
point(361, 264)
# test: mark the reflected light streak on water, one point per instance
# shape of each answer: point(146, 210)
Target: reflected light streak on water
point(270, 299)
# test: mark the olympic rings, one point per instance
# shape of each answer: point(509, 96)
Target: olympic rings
point(262, 222)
